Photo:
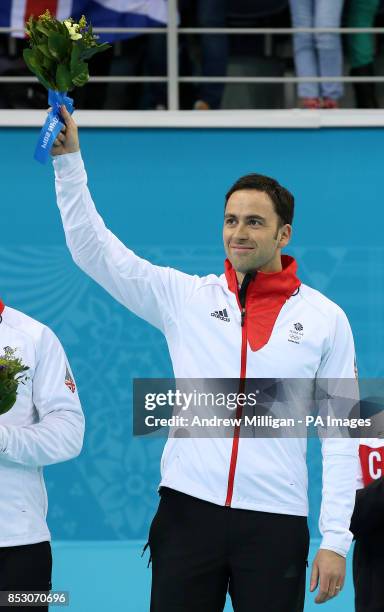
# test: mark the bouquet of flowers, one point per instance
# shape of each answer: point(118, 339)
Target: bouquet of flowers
point(12, 373)
point(58, 54)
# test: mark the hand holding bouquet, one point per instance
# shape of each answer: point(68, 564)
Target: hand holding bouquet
point(12, 373)
point(58, 54)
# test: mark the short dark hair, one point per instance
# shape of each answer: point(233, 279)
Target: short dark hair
point(283, 200)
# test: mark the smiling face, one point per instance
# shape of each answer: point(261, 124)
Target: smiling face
point(253, 235)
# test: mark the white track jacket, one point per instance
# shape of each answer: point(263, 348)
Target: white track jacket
point(308, 336)
point(45, 426)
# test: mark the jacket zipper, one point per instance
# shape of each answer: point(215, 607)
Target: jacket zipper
point(239, 408)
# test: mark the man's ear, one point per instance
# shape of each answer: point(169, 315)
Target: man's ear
point(285, 235)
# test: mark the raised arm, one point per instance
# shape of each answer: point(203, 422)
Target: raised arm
point(154, 293)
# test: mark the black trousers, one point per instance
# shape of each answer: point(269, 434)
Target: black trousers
point(26, 568)
point(200, 551)
point(368, 572)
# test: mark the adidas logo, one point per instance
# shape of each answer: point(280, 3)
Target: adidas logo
point(221, 314)
point(298, 327)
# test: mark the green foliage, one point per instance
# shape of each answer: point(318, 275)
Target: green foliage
point(48, 64)
point(12, 373)
point(44, 49)
point(63, 77)
point(59, 51)
point(90, 52)
point(75, 56)
point(42, 73)
point(59, 46)
point(43, 29)
point(80, 74)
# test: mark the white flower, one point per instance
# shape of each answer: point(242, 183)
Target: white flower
point(72, 29)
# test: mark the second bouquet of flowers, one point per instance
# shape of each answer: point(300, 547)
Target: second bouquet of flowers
point(12, 373)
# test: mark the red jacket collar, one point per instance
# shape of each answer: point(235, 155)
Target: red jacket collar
point(274, 283)
point(2, 306)
point(266, 296)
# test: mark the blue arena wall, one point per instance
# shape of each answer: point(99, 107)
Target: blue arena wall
point(162, 192)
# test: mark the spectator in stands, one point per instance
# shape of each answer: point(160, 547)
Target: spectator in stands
point(361, 49)
point(214, 48)
point(318, 54)
point(138, 55)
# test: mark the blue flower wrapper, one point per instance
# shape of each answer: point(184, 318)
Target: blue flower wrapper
point(53, 124)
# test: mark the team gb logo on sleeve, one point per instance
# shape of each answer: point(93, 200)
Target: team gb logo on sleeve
point(69, 380)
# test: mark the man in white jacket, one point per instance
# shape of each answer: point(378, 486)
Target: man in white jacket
point(232, 515)
point(44, 426)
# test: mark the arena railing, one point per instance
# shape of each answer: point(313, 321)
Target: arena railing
point(173, 78)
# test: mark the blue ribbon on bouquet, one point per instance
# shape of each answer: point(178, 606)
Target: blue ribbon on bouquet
point(53, 124)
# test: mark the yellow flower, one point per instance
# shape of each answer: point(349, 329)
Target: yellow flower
point(83, 22)
point(46, 16)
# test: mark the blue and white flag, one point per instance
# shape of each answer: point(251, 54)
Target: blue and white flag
point(101, 13)
point(121, 14)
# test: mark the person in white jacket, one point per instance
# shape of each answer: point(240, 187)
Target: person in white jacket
point(232, 514)
point(44, 426)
